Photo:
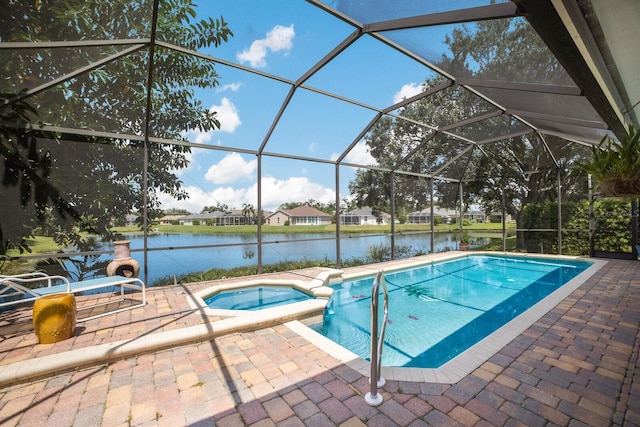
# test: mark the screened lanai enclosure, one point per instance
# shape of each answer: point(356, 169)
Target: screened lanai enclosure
point(158, 114)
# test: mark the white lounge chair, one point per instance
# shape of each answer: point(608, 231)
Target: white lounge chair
point(17, 290)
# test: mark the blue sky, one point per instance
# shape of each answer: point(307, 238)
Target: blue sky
point(286, 38)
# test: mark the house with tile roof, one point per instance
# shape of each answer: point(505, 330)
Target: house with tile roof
point(169, 219)
point(301, 215)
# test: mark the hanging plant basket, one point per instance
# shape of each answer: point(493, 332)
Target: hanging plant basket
point(615, 164)
point(620, 187)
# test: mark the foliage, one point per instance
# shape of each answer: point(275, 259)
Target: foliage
point(519, 168)
point(613, 157)
point(25, 179)
point(76, 183)
point(78, 267)
point(220, 207)
point(329, 208)
point(612, 227)
point(381, 253)
point(176, 211)
point(248, 211)
point(495, 244)
point(615, 164)
point(539, 216)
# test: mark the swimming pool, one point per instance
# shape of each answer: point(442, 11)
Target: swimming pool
point(439, 310)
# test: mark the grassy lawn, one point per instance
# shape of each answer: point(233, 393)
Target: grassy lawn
point(38, 244)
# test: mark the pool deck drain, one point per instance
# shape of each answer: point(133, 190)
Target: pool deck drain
point(575, 364)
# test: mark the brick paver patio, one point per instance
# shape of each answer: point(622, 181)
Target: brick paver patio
point(578, 365)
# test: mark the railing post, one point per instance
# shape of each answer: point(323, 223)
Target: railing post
point(373, 398)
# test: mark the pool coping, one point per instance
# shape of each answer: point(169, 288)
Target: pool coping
point(462, 365)
point(316, 288)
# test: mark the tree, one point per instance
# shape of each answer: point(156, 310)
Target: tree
point(249, 212)
point(176, 211)
point(219, 207)
point(90, 180)
point(289, 205)
point(29, 198)
point(521, 167)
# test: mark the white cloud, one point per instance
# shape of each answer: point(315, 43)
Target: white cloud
point(278, 39)
point(274, 193)
point(191, 157)
point(198, 199)
point(235, 198)
point(230, 169)
point(227, 115)
point(233, 87)
point(359, 155)
point(198, 136)
point(295, 189)
point(407, 91)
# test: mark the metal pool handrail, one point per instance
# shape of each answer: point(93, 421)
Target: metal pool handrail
point(373, 398)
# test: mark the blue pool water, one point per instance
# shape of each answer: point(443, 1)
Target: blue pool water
point(256, 298)
point(439, 310)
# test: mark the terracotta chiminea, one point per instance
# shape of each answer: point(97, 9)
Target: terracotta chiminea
point(123, 264)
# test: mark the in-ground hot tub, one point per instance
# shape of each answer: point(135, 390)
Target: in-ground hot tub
point(268, 298)
point(257, 297)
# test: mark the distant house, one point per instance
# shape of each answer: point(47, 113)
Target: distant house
point(364, 216)
point(475, 216)
point(130, 219)
point(419, 217)
point(424, 216)
point(169, 219)
point(302, 215)
point(234, 217)
point(202, 218)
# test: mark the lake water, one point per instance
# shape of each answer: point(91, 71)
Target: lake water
point(167, 255)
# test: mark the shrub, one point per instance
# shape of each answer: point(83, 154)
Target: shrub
point(612, 223)
point(381, 253)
